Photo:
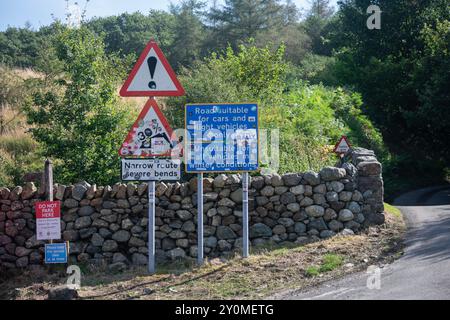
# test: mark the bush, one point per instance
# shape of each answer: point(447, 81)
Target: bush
point(81, 122)
point(310, 118)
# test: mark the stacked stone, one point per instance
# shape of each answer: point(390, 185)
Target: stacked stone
point(18, 244)
point(108, 225)
point(370, 183)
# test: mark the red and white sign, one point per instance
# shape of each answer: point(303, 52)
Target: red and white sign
point(150, 136)
point(343, 146)
point(48, 220)
point(152, 76)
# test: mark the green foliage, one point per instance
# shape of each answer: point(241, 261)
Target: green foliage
point(249, 74)
point(18, 155)
point(81, 125)
point(330, 262)
point(402, 72)
point(310, 119)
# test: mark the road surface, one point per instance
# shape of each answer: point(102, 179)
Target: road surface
point(423, 271)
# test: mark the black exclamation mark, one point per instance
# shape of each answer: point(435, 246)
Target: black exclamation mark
point(152, 61)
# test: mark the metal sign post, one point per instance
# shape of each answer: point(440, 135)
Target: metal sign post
point(245, 214)
point(151, 227)
point(200, 219)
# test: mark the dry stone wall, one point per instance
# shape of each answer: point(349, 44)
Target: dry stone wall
point(108, 225)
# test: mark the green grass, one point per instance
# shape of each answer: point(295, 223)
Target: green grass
point(329, 263)
point(392, 210)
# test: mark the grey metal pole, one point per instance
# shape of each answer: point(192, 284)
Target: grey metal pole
point(151, 227)
point(245, 214)
point(200, 219)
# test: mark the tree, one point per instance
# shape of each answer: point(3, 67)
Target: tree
point(240, 20)
point(78, 121)
point(189, 32)
point(402, 71)
point(318, 17)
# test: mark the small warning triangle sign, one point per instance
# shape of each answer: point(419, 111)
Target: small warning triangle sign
point(152, 76)
point(343, 146)
point(150, 136)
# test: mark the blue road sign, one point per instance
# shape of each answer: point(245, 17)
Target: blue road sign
point(221, 137)
point(56, 253)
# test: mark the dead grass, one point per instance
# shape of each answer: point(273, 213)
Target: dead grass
point(266, 272)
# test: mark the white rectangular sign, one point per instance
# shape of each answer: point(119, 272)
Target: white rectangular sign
point(48, 220)
point(150, 169)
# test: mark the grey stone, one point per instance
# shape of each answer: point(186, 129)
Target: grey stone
point(83, 222)
point(71, 203)
point(294, 207)
point(70, 235)
point(321, 188)
point(260, 230)
point(224, 232)
point(369, 168)
point(86, 211)
point(332, 196)
point(287, 222)
point(354, 207)
point(138, 259)
point(300, 189)
point(219, 181)
point(79, 191)
point(332, 173)
point(315, 211)
point(345, 215)
point(279, 229)
point(184, 215)
point(267, 191)
point(276, 180)
point(318, 224)
point(311, 178)
point(210, 242)
point(345, 196)
point(22, 262)
point(225, 202)
point(299, 228)
point(97, 240)
point(117, 267)
point(119, 257)
point(287, 197)
point(176, 254)
point(236, 195)
point(189, 226)
point(324, 234)
point(335, 225)
point(337, 186)
point(347, 232)
point(136, 242)
point(224, 245)
point(177, 234)
point(291, 179)
point(121, 236)
point(109, 246)
point(319, 199)
point(306, 201)
point(257, 182)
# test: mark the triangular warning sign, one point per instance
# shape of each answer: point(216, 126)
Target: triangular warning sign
point(152, 76)
point(150, 136)
point(343, 146)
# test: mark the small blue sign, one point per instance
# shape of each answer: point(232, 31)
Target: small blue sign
point(56, 253)
point(221, 137)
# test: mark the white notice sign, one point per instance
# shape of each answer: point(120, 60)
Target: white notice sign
point(150, 169)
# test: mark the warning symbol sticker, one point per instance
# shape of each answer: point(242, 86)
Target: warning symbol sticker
point(150, 135)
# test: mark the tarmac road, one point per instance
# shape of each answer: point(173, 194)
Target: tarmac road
point(423, 271)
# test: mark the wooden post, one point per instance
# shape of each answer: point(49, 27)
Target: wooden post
point(48, 178)
point(48, 172)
